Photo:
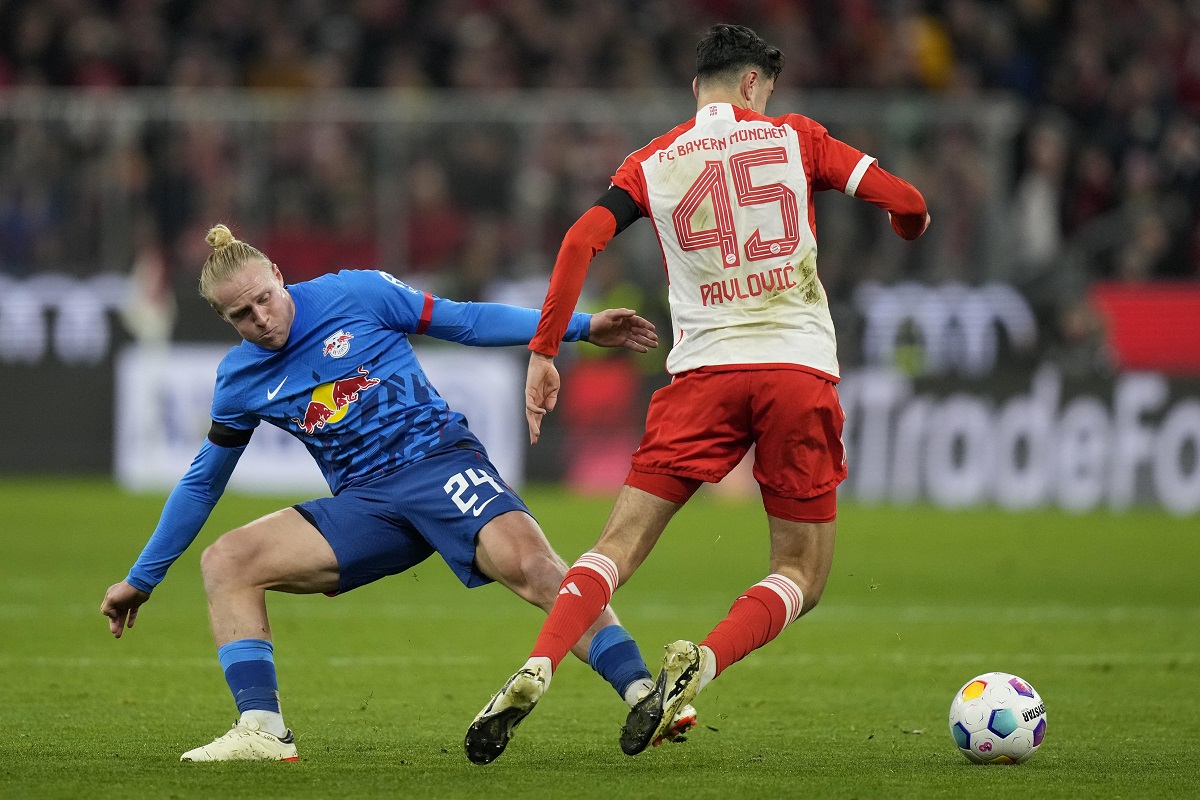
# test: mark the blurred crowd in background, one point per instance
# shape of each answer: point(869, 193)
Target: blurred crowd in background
point(1099, 179)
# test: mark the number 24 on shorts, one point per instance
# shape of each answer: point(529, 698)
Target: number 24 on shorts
point(458, 486)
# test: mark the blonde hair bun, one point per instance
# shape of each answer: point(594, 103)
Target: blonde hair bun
point(219, 236)
point(229, 257)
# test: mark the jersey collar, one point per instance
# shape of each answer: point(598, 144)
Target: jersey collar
point(712, 111)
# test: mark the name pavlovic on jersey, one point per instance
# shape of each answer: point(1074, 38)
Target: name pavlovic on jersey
point(730, 195)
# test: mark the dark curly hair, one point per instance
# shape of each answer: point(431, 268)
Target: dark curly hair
point(727, 50)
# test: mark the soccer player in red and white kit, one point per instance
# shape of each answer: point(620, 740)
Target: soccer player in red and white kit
point(754, 361)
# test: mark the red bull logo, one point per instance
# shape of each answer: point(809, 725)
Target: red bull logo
point(331, 401)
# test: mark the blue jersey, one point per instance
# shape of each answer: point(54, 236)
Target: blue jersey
point(347, 383)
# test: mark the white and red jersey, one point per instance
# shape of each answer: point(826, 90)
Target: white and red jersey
point(730, 193)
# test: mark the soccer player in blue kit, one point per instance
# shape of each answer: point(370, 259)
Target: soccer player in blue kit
point(329, 361)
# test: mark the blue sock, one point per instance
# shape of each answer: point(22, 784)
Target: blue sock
point(615, 655)
point(249, 666)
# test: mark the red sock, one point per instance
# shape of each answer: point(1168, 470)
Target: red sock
point(582, 598)
point(755, 618)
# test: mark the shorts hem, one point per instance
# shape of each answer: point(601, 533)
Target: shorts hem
point(762, 366)
point(468, 574)
point(814, 508)
point(668, 486)
point(703, 477)
point(304, 512)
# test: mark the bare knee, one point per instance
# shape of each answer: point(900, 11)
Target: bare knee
point(226, 561)
point(537, 578)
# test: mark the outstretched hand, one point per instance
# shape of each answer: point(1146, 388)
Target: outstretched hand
point(121, 604)
point(622, 327)
point(541, 391)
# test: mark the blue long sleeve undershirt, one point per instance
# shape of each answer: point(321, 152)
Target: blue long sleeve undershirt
point(184, 514)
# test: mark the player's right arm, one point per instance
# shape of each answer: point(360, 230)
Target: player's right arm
point(184, 514)
point(615, 211)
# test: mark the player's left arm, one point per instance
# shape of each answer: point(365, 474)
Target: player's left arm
point(496, 324)
point(905, 206)
point(844, 168)
point(405, 308)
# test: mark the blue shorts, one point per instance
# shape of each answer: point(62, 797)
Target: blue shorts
point(395, 522)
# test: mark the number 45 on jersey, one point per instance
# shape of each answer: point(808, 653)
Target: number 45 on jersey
point(712, 184)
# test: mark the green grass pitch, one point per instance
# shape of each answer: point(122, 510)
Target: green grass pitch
point(1101, 613)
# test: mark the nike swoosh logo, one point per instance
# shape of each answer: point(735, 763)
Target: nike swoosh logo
point(272, 392)
point(479, 510)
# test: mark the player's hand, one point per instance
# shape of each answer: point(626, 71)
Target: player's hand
point(622, 327)
point(909, 226)
point(541, 392)
point(121, 604)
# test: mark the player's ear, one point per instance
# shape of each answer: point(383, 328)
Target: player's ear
point(749, 84)
point(275, 271)
point(696, 87)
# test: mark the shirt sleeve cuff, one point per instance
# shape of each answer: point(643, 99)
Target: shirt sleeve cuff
point(580, 328)
point(139, 584)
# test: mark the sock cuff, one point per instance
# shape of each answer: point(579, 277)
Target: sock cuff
point(602, 565)
point(615, 655)
point(787, 591)
point(245, 650)
point(606, 637)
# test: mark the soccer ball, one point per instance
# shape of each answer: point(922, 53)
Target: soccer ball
point(997, 718)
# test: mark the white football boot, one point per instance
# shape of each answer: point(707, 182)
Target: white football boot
point(655, 715)
point(493, 727)
point(246, 742)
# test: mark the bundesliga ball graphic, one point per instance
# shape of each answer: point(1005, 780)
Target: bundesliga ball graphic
point(997, 718)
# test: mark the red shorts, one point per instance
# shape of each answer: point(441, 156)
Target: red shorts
point(700, 426)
